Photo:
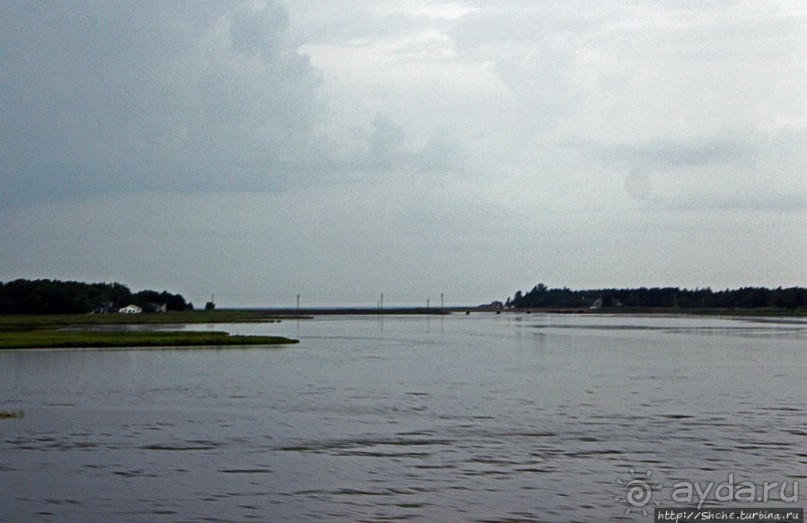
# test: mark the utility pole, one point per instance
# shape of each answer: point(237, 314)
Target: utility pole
point(427, 302)
point(442, 305)
point(298, 302)
point(381, 302)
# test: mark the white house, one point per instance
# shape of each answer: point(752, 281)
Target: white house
point(130, 309)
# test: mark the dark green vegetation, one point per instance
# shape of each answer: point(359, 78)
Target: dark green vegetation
point(757, 299)
point(121, 330)
point(50, 338)
point(23, 321)
point(72, 297)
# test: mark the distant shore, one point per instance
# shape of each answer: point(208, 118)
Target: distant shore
point(435, 311)
point(357, 311)
point(667, 310)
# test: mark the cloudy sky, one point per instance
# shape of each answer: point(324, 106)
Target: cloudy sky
point(340, 149)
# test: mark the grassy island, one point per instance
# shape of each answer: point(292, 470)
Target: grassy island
point(121, 331)
point(56, 339)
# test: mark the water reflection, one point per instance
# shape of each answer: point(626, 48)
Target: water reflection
point(461, 418)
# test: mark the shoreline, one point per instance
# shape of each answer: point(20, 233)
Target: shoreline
point(290, 313)
point(58, 339)
point(22, 332)
point(119, 331)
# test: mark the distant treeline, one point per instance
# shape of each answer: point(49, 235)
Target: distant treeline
point(70, 297)
point(661, 297)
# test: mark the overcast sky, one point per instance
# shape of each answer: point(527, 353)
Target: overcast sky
point(340, 149)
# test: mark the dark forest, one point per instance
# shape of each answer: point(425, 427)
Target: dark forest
point(72, 297)
point(542, 296)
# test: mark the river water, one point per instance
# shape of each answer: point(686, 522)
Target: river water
point(480, 417)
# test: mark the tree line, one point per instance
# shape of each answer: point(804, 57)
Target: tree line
point(542, 296)
point(72, 297)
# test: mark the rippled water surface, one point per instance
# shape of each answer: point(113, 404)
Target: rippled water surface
point(509, 417)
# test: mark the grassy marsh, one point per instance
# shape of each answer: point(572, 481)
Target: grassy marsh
point(51, 338)
point(16, 321)
point(75, 330)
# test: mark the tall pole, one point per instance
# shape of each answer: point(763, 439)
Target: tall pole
point(442, 305)
point(298, 302)
point(381, 303)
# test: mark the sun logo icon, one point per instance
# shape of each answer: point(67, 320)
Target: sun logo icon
point(638, 491)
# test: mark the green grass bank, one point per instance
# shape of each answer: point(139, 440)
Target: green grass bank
point(82, 330)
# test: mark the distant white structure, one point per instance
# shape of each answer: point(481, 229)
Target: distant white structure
point(130, 309)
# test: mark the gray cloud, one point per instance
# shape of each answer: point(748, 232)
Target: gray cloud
point(391, 150)
point(140, 95)
point(110, 98)
point(718, 172)
point(670, 154)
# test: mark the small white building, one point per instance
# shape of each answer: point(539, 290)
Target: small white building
point(130, 309)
